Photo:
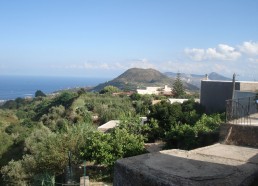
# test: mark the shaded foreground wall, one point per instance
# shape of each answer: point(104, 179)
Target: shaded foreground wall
point(127, 176)
point(217, 164)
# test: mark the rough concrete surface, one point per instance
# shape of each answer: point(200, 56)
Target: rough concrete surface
point(109, 125)
point(154, 147)
point(213, 165)
point(239, 134)
point(244, 154)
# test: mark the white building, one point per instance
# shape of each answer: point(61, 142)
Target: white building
point(155, 90)
point(172, 100)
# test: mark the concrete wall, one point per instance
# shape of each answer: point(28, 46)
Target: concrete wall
point(128, 176)
point(217, 164)
point(241, 135)
point(249, 86)
point(215, 93)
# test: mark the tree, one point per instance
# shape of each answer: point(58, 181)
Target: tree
point(45, 154)
point(55, 119)
point(135, 97)
point(204, 132)
point(105, 149)
point(109, 90)
point(5, 142)
point(65, 99)
point(20, 102)
point(182, 137)
point(167, 115)
point(10, 104)
point(178, 88)
point(39, 93)
point(192, 111)
point(81, 91)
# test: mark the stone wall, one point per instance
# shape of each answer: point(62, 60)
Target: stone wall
point(218, 164)
point(241, 135)
point(127, 176)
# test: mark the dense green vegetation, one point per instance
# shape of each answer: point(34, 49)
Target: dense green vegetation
point(37, 134)
point(39, 93)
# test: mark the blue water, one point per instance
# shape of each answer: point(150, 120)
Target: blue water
point(12, 87)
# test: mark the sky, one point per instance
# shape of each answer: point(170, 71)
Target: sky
point(104, 38)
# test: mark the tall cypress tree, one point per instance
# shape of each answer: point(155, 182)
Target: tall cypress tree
point(178, 87)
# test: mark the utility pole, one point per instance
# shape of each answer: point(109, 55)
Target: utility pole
point(234, 84)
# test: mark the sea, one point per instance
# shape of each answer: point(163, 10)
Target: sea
point(12, 87)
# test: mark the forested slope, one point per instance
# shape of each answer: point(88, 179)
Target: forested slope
point(37, 134)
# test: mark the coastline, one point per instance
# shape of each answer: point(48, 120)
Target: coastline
point(26, 86)
point(31, 96)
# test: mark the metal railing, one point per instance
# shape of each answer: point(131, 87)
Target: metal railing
point(238, 111)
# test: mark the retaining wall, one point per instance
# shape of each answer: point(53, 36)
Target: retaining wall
point(241, 135)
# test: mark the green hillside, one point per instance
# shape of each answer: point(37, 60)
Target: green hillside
point(37, 135)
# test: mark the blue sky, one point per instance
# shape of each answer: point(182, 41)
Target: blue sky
point(103, 38)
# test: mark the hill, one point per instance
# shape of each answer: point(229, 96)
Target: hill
point(216, 76)
point(139, 78)
point(195, 79)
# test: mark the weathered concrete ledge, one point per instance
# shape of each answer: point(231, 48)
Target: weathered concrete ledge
point(218, 164)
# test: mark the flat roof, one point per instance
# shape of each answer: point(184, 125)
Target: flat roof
point(231, 81)
point(109, 125)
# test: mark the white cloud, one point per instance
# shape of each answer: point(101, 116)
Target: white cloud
point(86, 65)
point(96, 65)
point(253, 60)
point(222, 52)
point(92, 65)
point(119, 66)
point(195, 53)
point(74, 66)
point(185, 67)
point(249, 48)
point(227, 52)
point(141, 63)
